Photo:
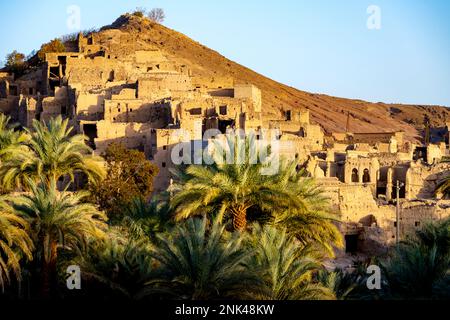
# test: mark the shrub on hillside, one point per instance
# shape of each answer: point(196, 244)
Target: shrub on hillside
point(55, 45)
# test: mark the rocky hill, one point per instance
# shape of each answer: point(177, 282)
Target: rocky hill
point(330, 112)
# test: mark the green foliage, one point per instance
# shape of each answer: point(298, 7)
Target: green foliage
point(15, 243)
point(50, 153)
point(56, 45)
point(420, 267)
point(59, 220)
point(233, 191)
point(9, 138)
point(139, 12)
point(117, 266)
point(286, 267)
point(15, 63)
point(200, 263)
point(147, 219)
point(71, 37)
point(129, 176)
point(146, 255)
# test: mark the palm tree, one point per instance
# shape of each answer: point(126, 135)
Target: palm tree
point(350, 284)
point(50, 153)
point(200, 263)
point(15, 243)
point(287, 267)
point(234, 190)
point(59, 220)
point(117, 266)
point(420, 266)
point(147, 219)
point(8, 136)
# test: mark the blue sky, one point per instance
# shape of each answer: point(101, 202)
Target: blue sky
point(321, 46)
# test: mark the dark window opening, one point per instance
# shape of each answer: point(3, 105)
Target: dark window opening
point(420, 153)
point(288, 115)
point(395, 224)
point(351, 243)
point(164, 147)
point(417, 224)
point(366, 176)
point(30, 91)
point(223, 110)
point(196, 111)
point(64, 110)
point(381, 191)
point(54, 72)
point(224, 125)
point(90, 41)
point(53, 84)
point(302, 133)
point(90, 130)
point(355, 176)
point(402, 193)
point(111, 76)
point(62, 59)
point(163, 164)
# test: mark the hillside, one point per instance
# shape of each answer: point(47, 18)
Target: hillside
point(330, 112)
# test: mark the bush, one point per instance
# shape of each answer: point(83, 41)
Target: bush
point(139, 12)
point(15, 63)
point(55, 45)
point(129, 175)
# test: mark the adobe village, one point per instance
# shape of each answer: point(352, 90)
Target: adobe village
point(117, 85)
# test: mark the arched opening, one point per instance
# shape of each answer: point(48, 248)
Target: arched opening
point(355, 176)
point(366, 176)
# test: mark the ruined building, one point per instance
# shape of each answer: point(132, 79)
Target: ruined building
point(114, 89)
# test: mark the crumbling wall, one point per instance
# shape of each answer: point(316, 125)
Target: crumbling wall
point(422, 180)
point(248, 91)
point(131, 135)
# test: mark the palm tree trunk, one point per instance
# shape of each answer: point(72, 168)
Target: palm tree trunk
point(239, 218)
point(49, 272)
